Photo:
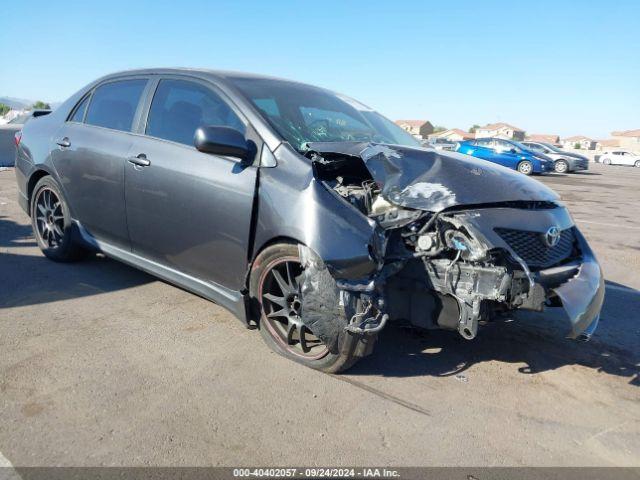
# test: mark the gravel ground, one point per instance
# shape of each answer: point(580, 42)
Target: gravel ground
point(105, 365)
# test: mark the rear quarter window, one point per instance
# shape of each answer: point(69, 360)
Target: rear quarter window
point(113, 105)
point(80, 108)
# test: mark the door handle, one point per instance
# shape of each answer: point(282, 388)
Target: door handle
point(64, 142)
point(141, 160)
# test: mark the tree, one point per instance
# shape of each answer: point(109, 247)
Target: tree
point(40, 105)
point(4, 109)
point(474, 128)
point(439, 128)
point(577, 146)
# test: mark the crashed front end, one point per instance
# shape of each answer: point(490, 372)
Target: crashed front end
point(457, 242)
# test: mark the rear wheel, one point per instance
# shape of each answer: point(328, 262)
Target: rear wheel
point(276, 293)
point(51, 222)
point(637, 164)
point(561, 166)
point(525, 167)
point(607, 161)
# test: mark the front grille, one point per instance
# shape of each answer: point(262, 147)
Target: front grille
point(530, 246)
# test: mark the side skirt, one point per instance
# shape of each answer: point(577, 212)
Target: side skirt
point(230, 299)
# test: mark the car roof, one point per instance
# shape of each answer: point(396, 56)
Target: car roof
point(199, 72)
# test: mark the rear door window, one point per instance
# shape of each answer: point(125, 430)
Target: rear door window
point(78, 114)
point(113, 105)
point(535, 147)
point(179, 107)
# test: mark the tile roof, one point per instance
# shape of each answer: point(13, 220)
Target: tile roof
point(610, 142)
point(495, 126)
point(540, 137)
point(458, 131)
point(577, 138)
point(411, 123)
point(627, 133)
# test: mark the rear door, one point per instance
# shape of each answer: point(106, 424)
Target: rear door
point(90, 157)
point(616, 158)
point(189, 210)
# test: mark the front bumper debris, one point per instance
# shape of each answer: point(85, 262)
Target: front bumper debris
point(583, 295)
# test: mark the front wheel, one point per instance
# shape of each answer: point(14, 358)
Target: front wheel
point(525, 167)
point(607, 161)
point(276, 292)
point(51, 222)
point(561, 166)
point(637, 164)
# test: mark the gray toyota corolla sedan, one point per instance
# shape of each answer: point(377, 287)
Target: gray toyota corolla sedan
point(300, 210)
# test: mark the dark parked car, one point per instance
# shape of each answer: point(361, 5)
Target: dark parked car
point(300, 210)
point(563, 161)
point(441, 144)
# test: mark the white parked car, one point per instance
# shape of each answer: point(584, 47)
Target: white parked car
point(620, 157)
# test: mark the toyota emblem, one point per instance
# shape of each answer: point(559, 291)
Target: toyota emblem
point(551, 237)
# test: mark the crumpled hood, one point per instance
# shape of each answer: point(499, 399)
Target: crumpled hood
point(434, 180)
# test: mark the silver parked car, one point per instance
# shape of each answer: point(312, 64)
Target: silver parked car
point(442, 144)
point(564, 162)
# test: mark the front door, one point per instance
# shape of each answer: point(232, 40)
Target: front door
point(483, 149)
point(91, 150)
point(189, 210)
point(506, 154)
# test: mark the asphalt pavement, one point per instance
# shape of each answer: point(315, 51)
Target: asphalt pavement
point(104, 365)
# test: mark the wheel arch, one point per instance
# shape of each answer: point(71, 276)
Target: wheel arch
point(34, 178)
point(257, 251)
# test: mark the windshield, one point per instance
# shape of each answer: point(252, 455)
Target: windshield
point(301, 114)
point(553, 148)
point(521, 146)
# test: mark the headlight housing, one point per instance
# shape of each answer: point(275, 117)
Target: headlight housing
point(468, 247)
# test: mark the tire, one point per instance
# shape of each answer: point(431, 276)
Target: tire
point(637, 164)
point(525, 167)
point(607, 161)
point(51, 222)
point(561, 166)
point(283, 257)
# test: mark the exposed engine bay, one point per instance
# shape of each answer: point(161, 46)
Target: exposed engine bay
point(444, 261)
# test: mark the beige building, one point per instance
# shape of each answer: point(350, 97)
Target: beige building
point(453, 135)
point(608, 144)
point(628, 139)
point(543, 138)
point(417, 128)
point(500, 130)
point(585, 143)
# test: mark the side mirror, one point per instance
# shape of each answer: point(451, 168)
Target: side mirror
point(513, 150)
point(221, 141)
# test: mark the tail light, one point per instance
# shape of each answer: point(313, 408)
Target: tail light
point(17, 137)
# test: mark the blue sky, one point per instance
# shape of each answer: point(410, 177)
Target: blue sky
point(563, 67)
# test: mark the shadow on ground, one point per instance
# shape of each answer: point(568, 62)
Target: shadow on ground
point(14, 234)
point(33, 279)
point(534, 340)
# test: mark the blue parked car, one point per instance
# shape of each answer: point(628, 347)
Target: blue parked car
point(507, 153)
